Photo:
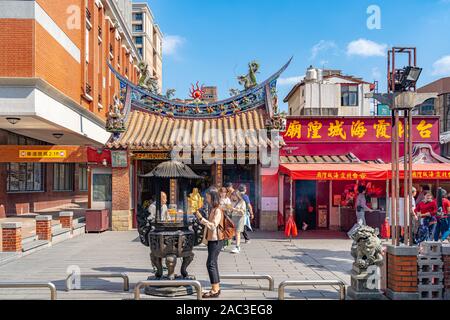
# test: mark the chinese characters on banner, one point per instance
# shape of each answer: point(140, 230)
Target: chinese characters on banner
point(376, 129)
point(341, 175)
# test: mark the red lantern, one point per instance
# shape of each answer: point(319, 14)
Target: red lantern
point(291, 228)
point(385, 230)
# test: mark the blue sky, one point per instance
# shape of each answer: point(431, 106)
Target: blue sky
point(212, 41)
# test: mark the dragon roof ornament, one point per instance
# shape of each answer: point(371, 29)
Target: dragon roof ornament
point(248, 99)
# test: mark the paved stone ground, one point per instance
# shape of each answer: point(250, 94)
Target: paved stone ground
point(307, 258)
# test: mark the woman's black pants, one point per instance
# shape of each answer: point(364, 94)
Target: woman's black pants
point(214, 248)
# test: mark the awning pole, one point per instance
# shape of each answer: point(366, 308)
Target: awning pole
point(291, 196)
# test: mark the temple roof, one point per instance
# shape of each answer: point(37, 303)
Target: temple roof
point(149, 131)
point(249, 99)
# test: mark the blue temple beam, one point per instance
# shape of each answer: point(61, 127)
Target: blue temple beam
point(247, 100)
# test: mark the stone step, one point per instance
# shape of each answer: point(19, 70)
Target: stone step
point(29, 239)
point(56, 227)
point(78, 225)
point(60, 231)
point(34, 245)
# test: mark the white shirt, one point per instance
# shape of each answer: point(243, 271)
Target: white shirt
point(165, 216)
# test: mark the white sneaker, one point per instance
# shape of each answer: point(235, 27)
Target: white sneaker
point(236, 250)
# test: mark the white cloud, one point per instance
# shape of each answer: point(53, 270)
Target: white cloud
point(321, 46)
point(171, 44)
point(442, 66)
point(366, 48)
point(376, 74)
point(290, 81)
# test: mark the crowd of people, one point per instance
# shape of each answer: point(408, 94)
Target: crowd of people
point(431, 216)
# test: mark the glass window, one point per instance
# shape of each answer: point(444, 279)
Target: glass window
point(83, 178)
point(23, 177)
point(141, 52)
point(63, 176)
point(138, 16)
point(138, 40)
point(349, 95)
point(102, 187)
point(137, 27)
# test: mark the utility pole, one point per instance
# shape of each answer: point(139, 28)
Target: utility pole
point(401, 99)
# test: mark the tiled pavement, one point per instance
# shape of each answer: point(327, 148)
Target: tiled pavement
point(308, 258)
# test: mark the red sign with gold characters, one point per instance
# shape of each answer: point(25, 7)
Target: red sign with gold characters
point(357, 129)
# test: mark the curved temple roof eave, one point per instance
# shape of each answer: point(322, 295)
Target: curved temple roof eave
point(218, 103)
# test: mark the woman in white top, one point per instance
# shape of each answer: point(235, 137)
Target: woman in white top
point(238, 211)
point(213, 237)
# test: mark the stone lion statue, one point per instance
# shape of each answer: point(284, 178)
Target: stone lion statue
point(366, 247)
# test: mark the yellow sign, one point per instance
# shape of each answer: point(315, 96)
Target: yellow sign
point(42, 154)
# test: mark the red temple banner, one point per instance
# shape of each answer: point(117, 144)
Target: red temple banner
point(357, 129)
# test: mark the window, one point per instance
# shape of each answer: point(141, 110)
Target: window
point(87, 45)
point(63, 174)
point(25, 177)
point(141, 52)
point(83, 178)
point(102, 187)
point(16, 139)
point(137, 27)
point(138, 16)
point(349, 95)
point(138, 40)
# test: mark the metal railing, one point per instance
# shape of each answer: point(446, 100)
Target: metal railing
point(251, 277)
point(30, 285)
point(167, 283)
point(124, 276)
point(291, 283)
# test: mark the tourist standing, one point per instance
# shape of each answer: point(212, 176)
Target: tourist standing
point(238, 209)
point(361, 208)
point(225, 205)
point(423, 191)
point(446, 233)
point(249, 216)
point(230, 189)
point(213, 238)
point(442, 205)
point(415, 217)
point(428, 210)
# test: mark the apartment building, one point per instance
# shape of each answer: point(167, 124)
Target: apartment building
point(55, 93)
point(148, 39)
point(439, 106)
point(330, 93)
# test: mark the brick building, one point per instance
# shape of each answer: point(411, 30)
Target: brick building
point(55, 93)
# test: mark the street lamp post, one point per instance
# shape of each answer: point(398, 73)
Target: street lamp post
point(404, 103)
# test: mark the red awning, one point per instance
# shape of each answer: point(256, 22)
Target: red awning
point(361, 171)
point(335, 171)
point(428, 171)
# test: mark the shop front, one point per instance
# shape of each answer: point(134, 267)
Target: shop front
point(326, 159)
point(237, 168)
point(34, 178)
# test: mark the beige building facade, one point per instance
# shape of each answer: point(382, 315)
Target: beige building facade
point(329, 93)
point(148, 39)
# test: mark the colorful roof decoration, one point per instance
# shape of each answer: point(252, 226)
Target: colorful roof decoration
point(252, 98)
